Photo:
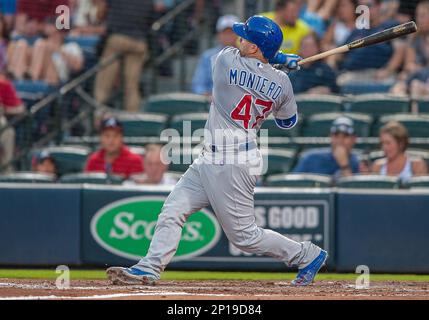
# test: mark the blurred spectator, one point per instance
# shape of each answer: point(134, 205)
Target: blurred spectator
point(406, 10)
point(374, 63)
point(51, 60)
point(114, 157)
point(4, 37)
point(294, 29)
point(8, 12)
point(317, 14)
point(339, 159)
point(43, 162)
point(316, 77)
point(88, 17)
point(31, 15)
point(342, 25)
point(417, 55)
point(10, 105)
point(414, 76)
point(394, 142)
point(128, 25)
point(155, 168)
point(202, 82)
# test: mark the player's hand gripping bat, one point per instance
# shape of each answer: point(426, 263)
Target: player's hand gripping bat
point(382, 36)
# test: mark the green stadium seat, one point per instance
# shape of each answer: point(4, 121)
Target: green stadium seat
point(413, 153)
point(368, 182)
point(177, 103)
point(309, 104)
point(196, 121)
point(275, 131)
point(69, 159)
point(279, 160)
point(416, 124)
point(423, 104)
point(27, 177)
point(298, 180)
point(418, 182)
point(377, 104)
point(319, 125)
point(91, 177)
point(142, 124)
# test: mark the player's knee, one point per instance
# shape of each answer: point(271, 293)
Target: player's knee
point(246, 239)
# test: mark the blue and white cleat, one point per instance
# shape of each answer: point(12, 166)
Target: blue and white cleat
point(130, 276)
point(306, 275)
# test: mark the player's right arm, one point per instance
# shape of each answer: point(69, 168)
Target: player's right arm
point(286, 114)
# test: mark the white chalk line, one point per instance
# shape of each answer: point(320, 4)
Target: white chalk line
point(112, 296)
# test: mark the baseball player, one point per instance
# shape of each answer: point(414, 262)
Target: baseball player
point(247, 88)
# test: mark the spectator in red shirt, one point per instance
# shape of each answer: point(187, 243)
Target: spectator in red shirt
point(10, 105)
point(114, 157)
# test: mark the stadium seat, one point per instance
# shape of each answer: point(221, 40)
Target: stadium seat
point(418, 182)
point(275, 131)
point(196, 121)
point(423, 104)
point(176, 103)
point(27, 177)
point(368, 182)
point(142, 124)
point(309, 104)
point(416, 153)
point(91, 177)
point(69, 159)
point(279, 160)
point(416, 124)
point(319, 125)
point(298, 180)
point(377, 104)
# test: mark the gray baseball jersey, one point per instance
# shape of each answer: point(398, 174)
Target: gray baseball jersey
point(245, 92)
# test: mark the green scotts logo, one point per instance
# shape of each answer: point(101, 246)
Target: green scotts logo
point(126, 227)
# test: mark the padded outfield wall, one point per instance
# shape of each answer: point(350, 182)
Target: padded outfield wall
point(89, 225)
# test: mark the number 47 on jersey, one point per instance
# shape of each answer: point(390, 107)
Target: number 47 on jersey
point(242, 112)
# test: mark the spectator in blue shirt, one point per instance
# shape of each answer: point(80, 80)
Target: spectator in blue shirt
point(337, 160)
point(202, 82)
point(316, 77)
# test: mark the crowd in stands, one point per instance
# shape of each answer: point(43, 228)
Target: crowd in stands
point(34, 49)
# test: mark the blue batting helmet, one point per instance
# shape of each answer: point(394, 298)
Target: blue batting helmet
point(263, 32)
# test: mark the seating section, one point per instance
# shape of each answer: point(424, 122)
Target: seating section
point(298, 180)
point(309, 104)
point(27, 177)
point(368, 182)
point(422, 105)
point(418, 182)
point(416, 124)
point(187, 123)
point(177, 103)
point(69, 159)
point(279, 160)
point(142, 124)
point(181, 162)
point(91, 177)
point(377, 105)
point(319, 125)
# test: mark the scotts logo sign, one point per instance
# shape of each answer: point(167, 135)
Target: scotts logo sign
point(126, 227)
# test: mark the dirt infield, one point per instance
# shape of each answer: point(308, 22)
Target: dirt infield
point(213, 289)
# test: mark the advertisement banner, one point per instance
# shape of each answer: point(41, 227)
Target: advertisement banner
point(118, 224)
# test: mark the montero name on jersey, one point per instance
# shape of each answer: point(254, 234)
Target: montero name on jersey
point(249, 80)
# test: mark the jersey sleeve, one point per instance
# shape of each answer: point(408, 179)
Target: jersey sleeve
point(287, 107)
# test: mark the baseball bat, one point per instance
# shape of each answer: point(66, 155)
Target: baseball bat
point(382, 36)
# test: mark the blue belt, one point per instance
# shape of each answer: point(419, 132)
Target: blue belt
point(241, 147)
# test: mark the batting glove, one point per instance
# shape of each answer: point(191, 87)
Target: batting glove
point(286, 61)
